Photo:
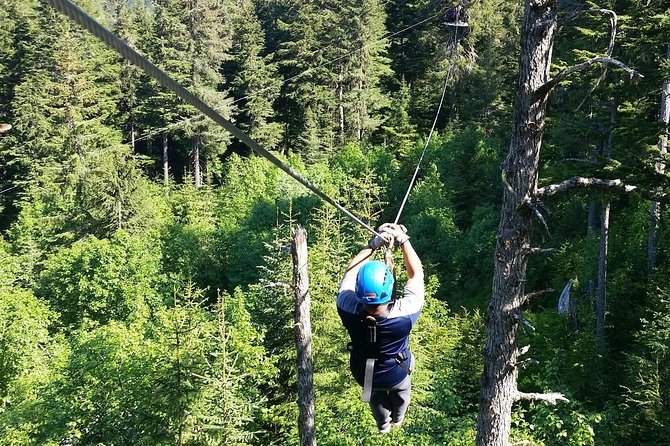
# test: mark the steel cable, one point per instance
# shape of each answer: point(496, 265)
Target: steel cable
point(79, 16)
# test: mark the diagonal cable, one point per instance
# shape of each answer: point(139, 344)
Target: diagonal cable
point(432, 129)
point(79, 16)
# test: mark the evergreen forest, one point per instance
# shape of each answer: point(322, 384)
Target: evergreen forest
point(146, 292)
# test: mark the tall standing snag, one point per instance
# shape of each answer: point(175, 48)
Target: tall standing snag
point(655, 209)
point(303, 338)
point(519, 206)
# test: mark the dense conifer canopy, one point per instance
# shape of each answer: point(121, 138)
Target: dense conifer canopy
point(143, 269)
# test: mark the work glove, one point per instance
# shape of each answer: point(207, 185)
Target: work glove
point(398, 232)
point(383, 239)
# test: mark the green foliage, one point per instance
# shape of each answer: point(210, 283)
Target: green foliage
point(24, 340)
point(255, 77)
point(96, 281)
point(132, 313)
point(644, 413)
point(567, 424)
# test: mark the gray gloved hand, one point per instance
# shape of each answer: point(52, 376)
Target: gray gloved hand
point(377, 241)
point(399, 232)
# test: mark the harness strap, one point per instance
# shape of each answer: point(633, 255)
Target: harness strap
point(372, 355)
point(367, 381)
point(401, 359)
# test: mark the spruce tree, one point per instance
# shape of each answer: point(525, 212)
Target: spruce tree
point(303, 56)
point(361, 31)
point(192, 41)
point(254, 78)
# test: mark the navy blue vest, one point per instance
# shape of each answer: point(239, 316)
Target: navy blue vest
point(393, 331)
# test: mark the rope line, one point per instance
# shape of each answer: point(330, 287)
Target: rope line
point(432, 129)
point(79, 16)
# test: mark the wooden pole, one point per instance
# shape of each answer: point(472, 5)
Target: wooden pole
point(303, 338)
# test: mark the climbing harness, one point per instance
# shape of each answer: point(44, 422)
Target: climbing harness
point(371, 352)
point(84, 20)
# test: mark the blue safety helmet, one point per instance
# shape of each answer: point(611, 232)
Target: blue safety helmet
point(374, 283)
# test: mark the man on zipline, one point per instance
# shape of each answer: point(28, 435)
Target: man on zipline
point(379, 325)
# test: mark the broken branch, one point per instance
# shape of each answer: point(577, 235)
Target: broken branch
point(535, 294)
point(606, 12)
point(540, 250)
point(560, 77)
point(526, 362)
point(581, 160)
point(277, 285)
point(549, 398)
point(597, 183)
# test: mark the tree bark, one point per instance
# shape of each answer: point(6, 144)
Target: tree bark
point(520, 174)
point(166, 171)
point(340, 97)
point(601, 290)
point(197, 171)
point(303, 339)
point(601, 287)
point(655, 209)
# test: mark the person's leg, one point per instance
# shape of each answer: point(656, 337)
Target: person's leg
point(380, 404)
point(400, 397)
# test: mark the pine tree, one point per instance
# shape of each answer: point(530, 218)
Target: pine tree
point(254, 78)
point(303, 56)
point(398, 132)
point(192, 41)
point(131, 22)
point(361, 31)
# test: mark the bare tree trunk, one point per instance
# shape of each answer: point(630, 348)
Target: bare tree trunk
point(520, 174)
point(303, 339)
point(601, 287)
point(360, 107)
point(602, 277)
point(590, 229)
point(655, 210)
point(197, 171)
point(593, 212)
point(166, 171)
point(340, 96)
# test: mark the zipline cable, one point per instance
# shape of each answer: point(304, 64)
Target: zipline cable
point(432, 129)
point(79, 16)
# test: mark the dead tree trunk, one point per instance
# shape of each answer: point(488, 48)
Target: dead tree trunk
point(166, 171)
point(601, 291)
point(197, 170)
point(303, 339)
point(520, 174)
point(655, 210)
point(601, 287)
point(520, 205)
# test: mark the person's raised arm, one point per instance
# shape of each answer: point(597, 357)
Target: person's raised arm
point(409, 255)
point(363, 256)
point(412, 265)
point(357, 262)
